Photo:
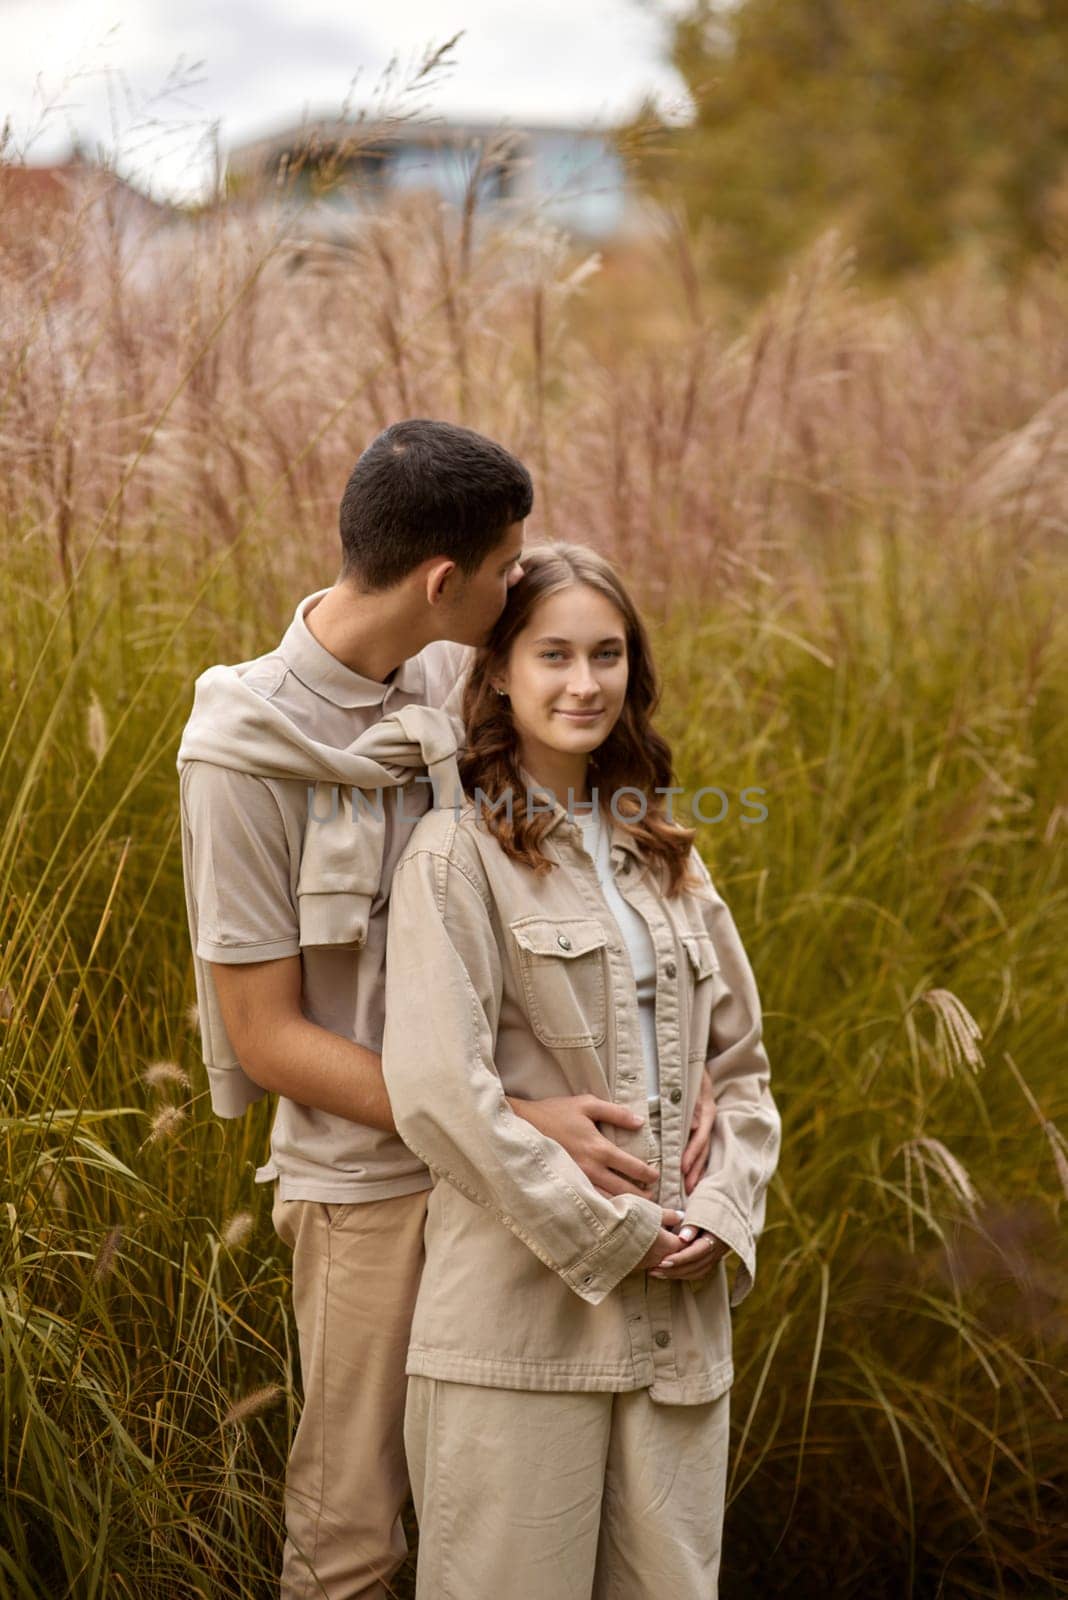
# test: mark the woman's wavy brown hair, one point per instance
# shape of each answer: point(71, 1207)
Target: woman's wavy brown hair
point(633, 756)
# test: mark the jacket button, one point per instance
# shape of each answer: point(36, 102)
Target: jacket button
point(563, 941)
point(662, 1339)
point(671, 969)
point(675, 1096)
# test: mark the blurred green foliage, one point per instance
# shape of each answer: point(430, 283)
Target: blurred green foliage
point(924, 127)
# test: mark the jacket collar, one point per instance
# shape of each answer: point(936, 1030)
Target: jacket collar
point(325, 675)
point(622, 838)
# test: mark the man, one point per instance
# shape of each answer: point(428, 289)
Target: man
point(431, 531)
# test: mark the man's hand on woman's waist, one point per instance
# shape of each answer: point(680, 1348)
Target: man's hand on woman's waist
point(571, 1120)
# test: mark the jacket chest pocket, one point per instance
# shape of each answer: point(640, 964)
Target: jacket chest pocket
point(563, 968)
point(708, 987)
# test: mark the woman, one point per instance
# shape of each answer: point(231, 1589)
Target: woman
point(570, 1362)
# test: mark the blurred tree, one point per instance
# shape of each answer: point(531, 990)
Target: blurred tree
point(923, 125)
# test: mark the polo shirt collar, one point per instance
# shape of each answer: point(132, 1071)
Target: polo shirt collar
point(325, 675)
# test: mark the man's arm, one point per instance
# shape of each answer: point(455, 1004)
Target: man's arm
point(284, 1053)
point(238, 869)
point(571, 1120)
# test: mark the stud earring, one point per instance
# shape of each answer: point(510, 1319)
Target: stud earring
point(502, 694)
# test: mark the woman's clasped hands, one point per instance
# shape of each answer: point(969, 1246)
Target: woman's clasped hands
point(701, 1252)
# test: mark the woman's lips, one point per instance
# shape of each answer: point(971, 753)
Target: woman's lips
point(581, 716)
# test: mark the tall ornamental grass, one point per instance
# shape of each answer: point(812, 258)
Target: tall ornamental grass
point(845, 517)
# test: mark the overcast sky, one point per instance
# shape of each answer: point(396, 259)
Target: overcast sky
point(151, 77)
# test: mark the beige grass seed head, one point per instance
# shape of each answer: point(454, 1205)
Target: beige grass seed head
point(250, 1405)
point(108, 1253)
point(238, 1229)
point(96, 728)
point(933, 1155)
point(166, 1123)
point(159, 1073)
point(957, 1031)
point(56, 1190)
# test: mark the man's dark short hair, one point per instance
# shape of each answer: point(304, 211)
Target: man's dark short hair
point(426, 489)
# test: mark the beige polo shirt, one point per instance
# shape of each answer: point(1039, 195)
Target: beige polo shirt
point(242, 842)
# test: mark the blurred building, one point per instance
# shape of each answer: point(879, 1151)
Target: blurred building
point(329, 174)
point(71, 211)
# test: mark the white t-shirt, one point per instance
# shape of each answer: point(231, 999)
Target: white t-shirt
point(597, 840)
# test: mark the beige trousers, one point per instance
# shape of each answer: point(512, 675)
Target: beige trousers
point(526, 1495)
point(356, 1271)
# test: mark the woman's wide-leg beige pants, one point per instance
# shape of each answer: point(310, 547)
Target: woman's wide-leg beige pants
point(526, 1495)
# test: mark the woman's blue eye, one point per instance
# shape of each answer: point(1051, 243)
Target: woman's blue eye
point(545, 655)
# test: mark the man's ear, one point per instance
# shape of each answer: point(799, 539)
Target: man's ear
point(442, 579)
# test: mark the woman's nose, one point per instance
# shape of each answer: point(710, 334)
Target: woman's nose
point(582, 681)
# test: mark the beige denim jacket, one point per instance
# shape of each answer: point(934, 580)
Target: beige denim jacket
point(500, 982)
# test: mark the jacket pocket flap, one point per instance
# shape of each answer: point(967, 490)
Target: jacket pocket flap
point(701, 950)
point(564, 937)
